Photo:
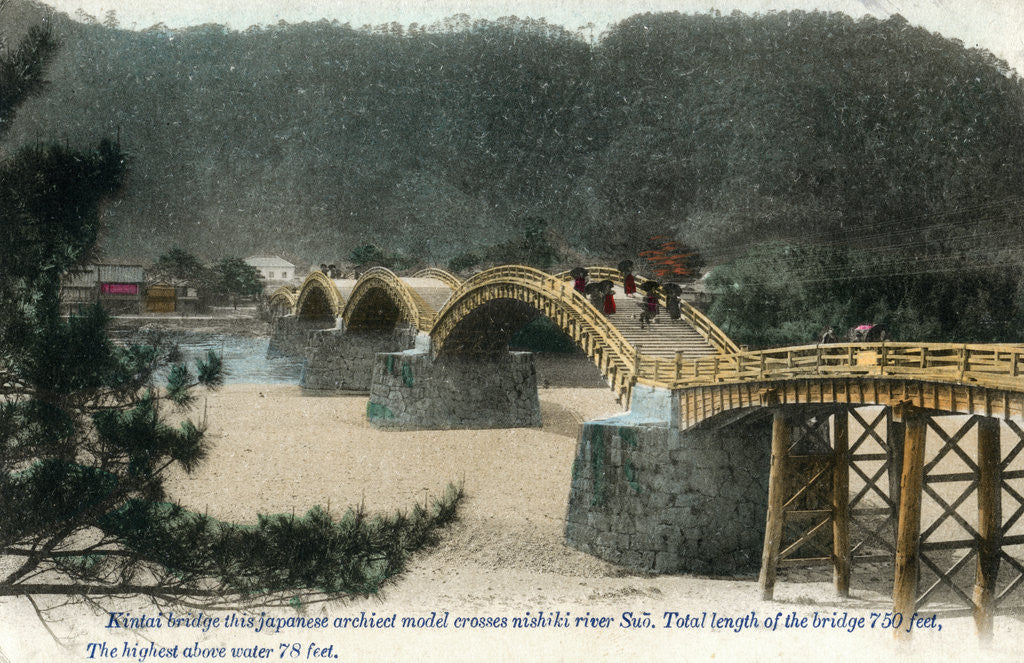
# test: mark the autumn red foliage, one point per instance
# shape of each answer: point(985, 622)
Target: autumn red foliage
point(673, 260)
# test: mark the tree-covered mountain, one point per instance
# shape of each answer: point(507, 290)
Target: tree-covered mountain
point(718, 130)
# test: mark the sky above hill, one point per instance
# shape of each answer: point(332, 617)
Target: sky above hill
point(997, 25)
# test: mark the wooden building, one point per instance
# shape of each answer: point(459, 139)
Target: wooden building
point(118, 287)
point(160, 298)
point(272, 268)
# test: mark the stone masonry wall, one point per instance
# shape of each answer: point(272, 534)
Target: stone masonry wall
point(343, 360)
point(291, 335)
point(653, 499)
point(414, 391)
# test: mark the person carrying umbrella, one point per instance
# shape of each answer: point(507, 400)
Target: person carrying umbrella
point(650, 305)
point(608, 288)
point(595, 294)
point(579, 277)
point(628, 280)
point(672, 302)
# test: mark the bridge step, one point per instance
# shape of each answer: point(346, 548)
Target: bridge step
point(663, 338)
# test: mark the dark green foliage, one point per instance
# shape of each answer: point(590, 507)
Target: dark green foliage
point(712, 129)
point(368, 255)
point(534, 246)
point(21, 71)
point(464, 262)
point(780, 294)
point(85, 438)
point(236, 278)
point(355, 554)
point(178, 265)
point(211, 370)
point(227, 280)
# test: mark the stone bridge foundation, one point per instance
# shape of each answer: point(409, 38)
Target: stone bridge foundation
point(413, 390)
point(651, 498)
point(342, 360)
point(291, 334)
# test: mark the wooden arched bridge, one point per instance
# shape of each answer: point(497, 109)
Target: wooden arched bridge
point(812, 393)
point(480, 314)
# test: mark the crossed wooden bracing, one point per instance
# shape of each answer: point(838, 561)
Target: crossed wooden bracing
point(923, 493)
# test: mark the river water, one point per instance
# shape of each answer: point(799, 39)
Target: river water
point(245, 357)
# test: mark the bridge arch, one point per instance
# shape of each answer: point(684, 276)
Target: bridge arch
point(380, 300)
point(318, 297)
point(488, 307)
point(282, 301)
point(441, 275)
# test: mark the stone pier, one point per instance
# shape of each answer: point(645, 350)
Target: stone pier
point(652, 498)
point(342, 360)
point(291, 334)
point(412, 390)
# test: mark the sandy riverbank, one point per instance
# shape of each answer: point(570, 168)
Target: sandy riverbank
point(277, 449)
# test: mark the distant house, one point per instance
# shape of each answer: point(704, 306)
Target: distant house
point(119, 288)
point(272, 268)
point(173, 297)
point(79, 288)
point(161, 298)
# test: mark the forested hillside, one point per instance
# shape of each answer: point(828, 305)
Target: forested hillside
point(716, 130)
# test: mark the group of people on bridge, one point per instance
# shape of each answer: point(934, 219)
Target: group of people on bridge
point(864, 333)
point(602, 293)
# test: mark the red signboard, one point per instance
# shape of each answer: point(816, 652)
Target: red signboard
point(120, 288)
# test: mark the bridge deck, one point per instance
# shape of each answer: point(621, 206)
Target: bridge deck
point(433, 291)
point(345, 287)
point(663, 338)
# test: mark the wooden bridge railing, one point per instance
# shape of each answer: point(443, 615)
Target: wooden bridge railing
point(439, 274)
point(702, 323)
point(996, 366)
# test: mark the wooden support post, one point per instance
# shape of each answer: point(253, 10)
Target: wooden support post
point(904, 593)
point(782, 435)
point(895, 433)
point(841, 504)
point(989, 525)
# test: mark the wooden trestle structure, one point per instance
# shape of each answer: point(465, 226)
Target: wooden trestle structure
point(814, 517)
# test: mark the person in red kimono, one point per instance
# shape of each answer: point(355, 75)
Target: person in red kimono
point(650, 305)
point(609, 297)
point(628, 280)
point(579, 276)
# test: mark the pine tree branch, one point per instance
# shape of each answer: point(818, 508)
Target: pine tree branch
point(59, 589)
point(46, 624)
point(72, 553)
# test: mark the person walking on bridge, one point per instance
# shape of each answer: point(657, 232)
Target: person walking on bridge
point(628, 280)
point(579, 276)
point(673, 292)
point(650, 304)
point(595, 294)
point(608, 287)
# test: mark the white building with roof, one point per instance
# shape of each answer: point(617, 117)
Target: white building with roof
point(272, 268)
